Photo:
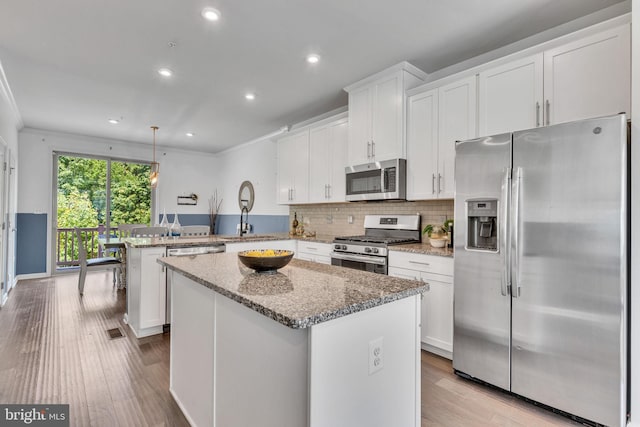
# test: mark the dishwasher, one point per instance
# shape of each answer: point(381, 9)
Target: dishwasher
point(184, 251)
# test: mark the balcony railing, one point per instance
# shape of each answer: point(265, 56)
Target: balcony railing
point(67, 245)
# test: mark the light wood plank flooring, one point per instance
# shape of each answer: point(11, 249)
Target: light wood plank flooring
point(54, 348)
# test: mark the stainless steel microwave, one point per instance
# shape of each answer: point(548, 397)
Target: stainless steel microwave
point(377, 181)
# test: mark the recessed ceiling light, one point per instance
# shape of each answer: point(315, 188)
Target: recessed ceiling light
point(114, 121)
point(250, 96)
point(313, 58)
point(210, 14)
point(190, 134)
point(165, 72)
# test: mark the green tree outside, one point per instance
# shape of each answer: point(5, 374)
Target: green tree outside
point(81, 198)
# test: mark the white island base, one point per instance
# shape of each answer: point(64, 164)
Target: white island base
point(234, 367)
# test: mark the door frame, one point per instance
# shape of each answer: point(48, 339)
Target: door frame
point(54, 199)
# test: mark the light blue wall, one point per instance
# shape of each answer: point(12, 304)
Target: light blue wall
point(226, 224)
point(31, 243)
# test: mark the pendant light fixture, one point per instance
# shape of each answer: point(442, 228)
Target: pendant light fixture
point(155, 166)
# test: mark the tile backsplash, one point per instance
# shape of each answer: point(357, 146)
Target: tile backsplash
point(333, 218)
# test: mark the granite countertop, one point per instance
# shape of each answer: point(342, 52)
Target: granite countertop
point(299, 295)
point(422, 248)
point(148, 242)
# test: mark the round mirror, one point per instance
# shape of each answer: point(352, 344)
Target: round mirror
point(246, 196)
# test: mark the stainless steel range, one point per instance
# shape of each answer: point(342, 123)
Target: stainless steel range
point(369, 251)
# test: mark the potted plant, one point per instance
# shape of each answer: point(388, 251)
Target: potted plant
point(438, 234)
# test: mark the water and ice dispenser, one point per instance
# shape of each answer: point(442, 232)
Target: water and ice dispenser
point(482, 223)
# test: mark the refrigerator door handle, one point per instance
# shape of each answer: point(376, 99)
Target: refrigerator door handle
point(506, 259)
point(515, 249)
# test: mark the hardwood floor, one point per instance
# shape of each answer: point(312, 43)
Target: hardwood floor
point(54, 348)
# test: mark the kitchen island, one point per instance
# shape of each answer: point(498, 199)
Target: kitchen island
point(312, 345)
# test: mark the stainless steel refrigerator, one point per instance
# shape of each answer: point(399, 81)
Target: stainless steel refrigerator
point(540, 265)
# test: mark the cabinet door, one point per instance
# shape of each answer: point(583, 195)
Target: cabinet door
point(457, 122)
point(337, 181)
point(286, 156)
point(153, 290)
point(320, 146)
point(422, 145)
point(386, 134)
point(437, 315)
point(360, 114)
point(293, 168)
point(510, 96)
point(588, 78)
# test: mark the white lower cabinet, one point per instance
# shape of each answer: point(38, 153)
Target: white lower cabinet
point(314, 251)
point(437, 302)
point(146, 291)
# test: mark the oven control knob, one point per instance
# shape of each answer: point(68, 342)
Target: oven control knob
point(367, 250)
point(336, 247)
point(375, 250)
point(344, 247)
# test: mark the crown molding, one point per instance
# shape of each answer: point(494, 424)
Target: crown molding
point(5, 90)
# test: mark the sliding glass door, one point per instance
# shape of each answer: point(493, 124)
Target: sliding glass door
point(96, 195)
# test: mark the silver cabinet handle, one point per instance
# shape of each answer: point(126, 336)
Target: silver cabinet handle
point(309, 248)
point(368, 149)
point(516, 283)
point(548, 105)
point(505, 284)
point(328, 191)
point(418, 262)
point(325, 191)
point(433, 183)
point(537, 114)
point(373, 148)
point(440, 179)
point(293, 193)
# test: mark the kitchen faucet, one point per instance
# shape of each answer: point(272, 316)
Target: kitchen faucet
point(244, 224)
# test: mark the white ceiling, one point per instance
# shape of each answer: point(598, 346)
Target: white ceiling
point(73, 64)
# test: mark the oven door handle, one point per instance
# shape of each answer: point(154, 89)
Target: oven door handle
point(359, 258)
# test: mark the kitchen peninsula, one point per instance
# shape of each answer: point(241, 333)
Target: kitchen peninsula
point(311, 345)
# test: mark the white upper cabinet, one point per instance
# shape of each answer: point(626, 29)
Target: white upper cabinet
point(293, 168)
point(422, 145)
point(437, 118)
point(457, 121)
point(327, 161)
point(510, 96)
point(586, 78)
point(377, 114)
point(590, 77)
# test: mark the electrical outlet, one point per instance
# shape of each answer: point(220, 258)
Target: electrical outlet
point(350, 219)
point(376, 355)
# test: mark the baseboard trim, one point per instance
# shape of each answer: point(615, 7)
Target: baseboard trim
point(435, 350)
point(30, 276)
point(179, 403)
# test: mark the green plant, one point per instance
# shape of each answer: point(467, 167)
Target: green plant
point(430, 229)
point(448, 223)
point(438, 229)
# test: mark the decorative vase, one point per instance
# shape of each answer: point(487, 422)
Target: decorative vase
point(212, 222)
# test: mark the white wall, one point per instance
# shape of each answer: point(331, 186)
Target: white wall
point(181, 172)
point(255, 162)
point(635, 210)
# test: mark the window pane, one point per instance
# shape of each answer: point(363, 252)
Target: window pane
point(130, 194)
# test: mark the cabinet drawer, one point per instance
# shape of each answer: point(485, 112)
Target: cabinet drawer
point(420, 262)
point(320, 259)
point(314, 248)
